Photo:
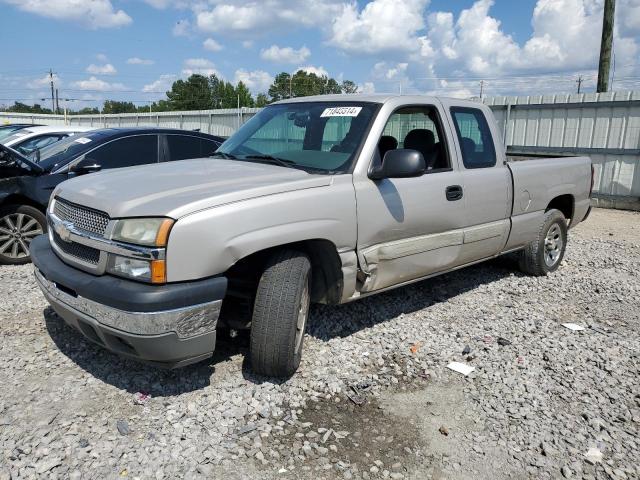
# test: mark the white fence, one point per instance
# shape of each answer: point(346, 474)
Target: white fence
point(604, 126)
point(216, 122)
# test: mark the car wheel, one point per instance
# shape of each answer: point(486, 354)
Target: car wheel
point(544, 255)
point(280, 314)
point(19, 225)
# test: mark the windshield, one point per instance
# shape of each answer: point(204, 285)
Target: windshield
point(7, 130)
point(60, 153)
point(314, 136)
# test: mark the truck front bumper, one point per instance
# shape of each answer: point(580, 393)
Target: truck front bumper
point(170, 325)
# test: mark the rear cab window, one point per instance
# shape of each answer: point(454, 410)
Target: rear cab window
point(474, 137)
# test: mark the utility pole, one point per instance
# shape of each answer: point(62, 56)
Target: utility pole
point(481, 88)
point(579, 82)
point(605, 45)
point(53, 104)
point(57, 103)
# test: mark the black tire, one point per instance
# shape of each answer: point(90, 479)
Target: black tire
point(14, 244)
point(281, 298)
point(537, 258)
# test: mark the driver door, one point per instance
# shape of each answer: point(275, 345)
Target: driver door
point(410, 227)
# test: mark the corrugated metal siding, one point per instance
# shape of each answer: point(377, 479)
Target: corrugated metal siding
point(605, 127)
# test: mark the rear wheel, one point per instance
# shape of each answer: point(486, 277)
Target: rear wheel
point(19, 225)
point(280, 314)
point(545, 254)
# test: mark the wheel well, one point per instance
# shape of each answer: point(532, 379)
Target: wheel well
point(15, 199)
point(326, 267)
point(244, 275)
point(564, 203)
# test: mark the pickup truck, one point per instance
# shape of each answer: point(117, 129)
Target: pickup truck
point(320, 199)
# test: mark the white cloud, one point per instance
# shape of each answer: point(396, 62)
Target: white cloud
point(159, 4)
point(106, 69)
point(139, 61)
point(247, 44)
point(101, 57)
point(382, 25)
point(319, 71)
point(211, 45)
point(258, 81)
point(94, 83)
point(200, 66)
point(92, 14)
point(367, 88)
point(44, 82)
point(258, 18)
point(161, 85)
point(285, 54)
point(182, 28)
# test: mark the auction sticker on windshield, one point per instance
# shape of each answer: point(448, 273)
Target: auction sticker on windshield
point(82, 140)
point(341, 112)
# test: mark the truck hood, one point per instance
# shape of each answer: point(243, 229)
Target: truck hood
point(176, 189)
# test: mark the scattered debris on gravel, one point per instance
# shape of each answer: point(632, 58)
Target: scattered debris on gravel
point(373, 397)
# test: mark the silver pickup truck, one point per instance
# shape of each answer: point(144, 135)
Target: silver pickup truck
point(319, 199)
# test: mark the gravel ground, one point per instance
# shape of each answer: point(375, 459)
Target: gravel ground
point(373, 398)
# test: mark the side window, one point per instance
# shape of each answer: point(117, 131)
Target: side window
point(416, 128)
point(474, 136)
point(182, 147)
point(127, 152)
point(208, 147)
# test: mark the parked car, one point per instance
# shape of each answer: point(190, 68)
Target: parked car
point(31, 139)
point(317, 199)
point(26, 184)
point(6, 130)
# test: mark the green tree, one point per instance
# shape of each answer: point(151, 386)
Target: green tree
point(115, 106)
point(190, 94)
point(87, 111)
point(244, 95)
point(303, 84)
point(19, 107)
point(262, 100)
point(349, 87)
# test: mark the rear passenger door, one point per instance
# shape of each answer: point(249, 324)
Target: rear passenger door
point(126, 152)
point(486, 184)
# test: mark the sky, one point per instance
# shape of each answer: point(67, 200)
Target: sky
point(134, 49)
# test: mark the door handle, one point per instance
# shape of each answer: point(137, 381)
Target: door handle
point(454, 192)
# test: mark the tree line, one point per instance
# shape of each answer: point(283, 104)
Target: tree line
point(199, 92)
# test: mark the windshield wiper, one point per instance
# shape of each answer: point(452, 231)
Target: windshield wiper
point(226, 156)
point(273, 160)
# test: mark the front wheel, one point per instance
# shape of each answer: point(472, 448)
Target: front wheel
point(19, 225)
point(544, 254)
point(280, 314)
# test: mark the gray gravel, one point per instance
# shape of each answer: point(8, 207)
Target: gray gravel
point(373, 395)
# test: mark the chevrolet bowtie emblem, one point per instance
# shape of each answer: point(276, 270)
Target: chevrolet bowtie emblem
point(63, 229)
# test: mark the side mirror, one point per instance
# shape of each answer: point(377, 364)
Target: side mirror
point(86, 165)
point(399, 163)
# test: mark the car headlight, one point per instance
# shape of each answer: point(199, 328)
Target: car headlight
point(145, 232)
point(152, 232)
point(152, 271)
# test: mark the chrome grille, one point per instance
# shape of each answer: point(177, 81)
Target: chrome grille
point(77, 250)
point(83, 218)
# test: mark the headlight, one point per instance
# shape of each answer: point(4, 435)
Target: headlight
point(145, 232)
point(152, 271)
point(152, 232)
